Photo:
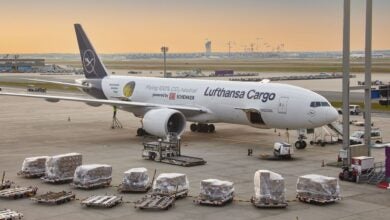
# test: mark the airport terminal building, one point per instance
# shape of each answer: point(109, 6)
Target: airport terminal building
point(21, 65)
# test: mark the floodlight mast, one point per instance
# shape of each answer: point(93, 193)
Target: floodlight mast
point(346, 69)
point(367, 77)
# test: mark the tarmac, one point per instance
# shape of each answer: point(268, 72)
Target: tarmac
point(33, 127)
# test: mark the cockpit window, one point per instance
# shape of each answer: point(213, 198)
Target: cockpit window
point(319, 104)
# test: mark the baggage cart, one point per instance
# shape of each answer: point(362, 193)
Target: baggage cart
point(100, 184)
point(302, 197)
point(210, 202)
point(5, 184)
point(33, 167)
point(92, 176)
point(123, 188)
point(267, 203)
point(8, 214)
point(155, 202)
point(56, 180)
point(54, 198)
point(18, 192)
point(102, 201)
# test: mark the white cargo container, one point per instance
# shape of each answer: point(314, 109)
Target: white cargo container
point(362, 163)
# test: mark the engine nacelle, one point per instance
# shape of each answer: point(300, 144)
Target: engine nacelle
point(161, 122)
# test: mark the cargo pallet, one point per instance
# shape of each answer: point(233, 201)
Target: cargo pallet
point(317, 200)
point(31, 174)
point(101, 184)
point(221, 202)
point(54, 198)
point(8, 214)
point(5, 185)
point(156, 202)
point(133, 189)
point(268, 203)
point(168, 151)
point(18, 192)
point(178, 194)
point(102, 201)
point(56, 180)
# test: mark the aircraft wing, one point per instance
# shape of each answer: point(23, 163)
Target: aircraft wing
point(118, 103)
point(60, 83)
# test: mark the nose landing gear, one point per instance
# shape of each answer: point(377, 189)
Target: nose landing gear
point(301, 143)
point(203, 128)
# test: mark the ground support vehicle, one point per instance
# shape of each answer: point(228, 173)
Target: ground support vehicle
point(168, 151)
point(102, 201)
point(156, 202)
point(8, 214)
point(31, 174)
point(54, 198)
point(101, 184)
point(18, 192)
point(268, 203)
point(316, 200)
point(56, 180)
point(217, 202)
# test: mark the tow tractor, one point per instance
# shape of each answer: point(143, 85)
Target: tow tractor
point(168, 150)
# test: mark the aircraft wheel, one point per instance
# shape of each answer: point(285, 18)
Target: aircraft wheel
point(140, 132)
point(194, 127)
point(211, 128)
point(300, 144)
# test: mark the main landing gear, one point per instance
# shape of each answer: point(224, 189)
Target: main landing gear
point(203, 128)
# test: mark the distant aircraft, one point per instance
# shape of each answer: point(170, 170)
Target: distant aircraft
point(166, 104)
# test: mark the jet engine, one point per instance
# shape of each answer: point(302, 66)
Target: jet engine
point(161, 122)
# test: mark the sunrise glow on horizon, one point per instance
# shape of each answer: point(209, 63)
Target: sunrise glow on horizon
point(126, 26)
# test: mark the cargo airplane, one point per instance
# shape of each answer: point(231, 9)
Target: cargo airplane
point(165, 105)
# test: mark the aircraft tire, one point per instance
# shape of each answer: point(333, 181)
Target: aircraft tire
point(211, 128)
point(194, 127)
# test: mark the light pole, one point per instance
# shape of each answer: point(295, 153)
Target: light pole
point(346, 69)
point(164, 49)
point(367, 81)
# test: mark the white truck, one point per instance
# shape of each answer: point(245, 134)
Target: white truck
point(283, 150)
point(357, 137)
point(353, 110)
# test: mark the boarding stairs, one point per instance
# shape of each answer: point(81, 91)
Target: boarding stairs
point(336, 127)
point(374, 176)
point(377, 174)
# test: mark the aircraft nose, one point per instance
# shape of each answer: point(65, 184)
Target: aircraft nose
point(332, 115)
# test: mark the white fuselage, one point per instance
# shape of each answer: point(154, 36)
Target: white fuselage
point(278, 105)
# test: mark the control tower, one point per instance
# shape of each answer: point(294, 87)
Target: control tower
point(208, 48)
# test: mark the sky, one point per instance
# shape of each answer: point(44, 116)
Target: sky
point(132, 26)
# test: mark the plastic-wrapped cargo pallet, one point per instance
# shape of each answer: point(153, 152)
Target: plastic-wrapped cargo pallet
point(170, 184)
point(34, 166)
point(92, 175)
point(62, 167)
point(318, 188)
point(269, 188)
point(135, 178)
point(214, 189)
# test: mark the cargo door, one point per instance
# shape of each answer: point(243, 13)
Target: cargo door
point(282, 108)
